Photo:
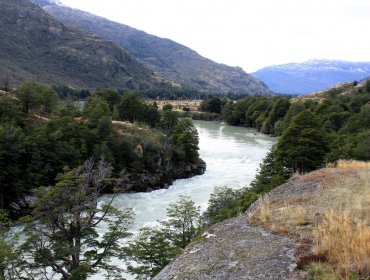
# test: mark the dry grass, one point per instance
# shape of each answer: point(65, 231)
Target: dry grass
point(344, 241)
point(330, 225)
point(293, 215)
point(265, 212)
point(352, 164)
point(178, 105)
point(300, 215)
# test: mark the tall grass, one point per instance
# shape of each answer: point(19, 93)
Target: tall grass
point(265, 211)
point(351, 164)
point(344, 241)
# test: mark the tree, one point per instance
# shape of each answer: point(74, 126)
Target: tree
point(10, 262)
point(303, 146)
point(6, 83)
point(183, 221)
point(151, 115)
point(215, 105)
point(154, 248)
point(39, 97)
point(131, 107)
point(64, 236)
point(95, 109)
point(270, 175)
point(167, 107)
point(168, 122)
point(187, 139)
point(12, 151)
point(111, 96)
point(221, 204)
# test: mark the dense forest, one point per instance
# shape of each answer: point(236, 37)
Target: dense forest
point(42, 136)
point(162, 91)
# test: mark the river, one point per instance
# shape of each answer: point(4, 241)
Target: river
point(232, 154)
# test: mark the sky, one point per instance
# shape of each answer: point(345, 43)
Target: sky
point(249, 33)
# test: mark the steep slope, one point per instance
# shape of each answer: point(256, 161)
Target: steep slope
point(169, 59)
point(311, 76)
point(36, 46)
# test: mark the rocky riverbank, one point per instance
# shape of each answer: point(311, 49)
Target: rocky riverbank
point(277, 237)
point(144, 181)
point(163, 177)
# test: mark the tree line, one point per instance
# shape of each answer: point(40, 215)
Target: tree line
point(41, 135)
point(312, 133)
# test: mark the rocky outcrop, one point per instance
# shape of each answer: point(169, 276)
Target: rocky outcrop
point(280, 246)
point(147, 181)
point(234, 250)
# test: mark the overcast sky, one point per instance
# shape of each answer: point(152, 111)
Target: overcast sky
point(249, 33)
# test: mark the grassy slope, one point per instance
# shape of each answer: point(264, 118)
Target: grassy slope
point(328, 213)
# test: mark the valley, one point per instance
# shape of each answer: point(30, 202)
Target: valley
point(127, 155)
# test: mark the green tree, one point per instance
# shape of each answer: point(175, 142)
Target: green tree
point(10, 261)
point(221, 204)
point(184, 221)
point(39, 97)
point(168, 122)
point(270, 175)
point(110, 96)
point(12, 152)
point(303, 146)
point(167, 107)
point(151, 115)
point(64, 239)
point(154, 248)
point(131, 107)
point(95, 109)
point(186, 138)
point(10, 110)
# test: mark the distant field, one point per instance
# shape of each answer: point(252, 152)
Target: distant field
point(178, 105)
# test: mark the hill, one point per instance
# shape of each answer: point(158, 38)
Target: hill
point(311, 76)
point(167, 58)
point(312, 227)
point(37, 46)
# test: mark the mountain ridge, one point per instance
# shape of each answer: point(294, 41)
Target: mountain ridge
point(164, 56)
point(311, 76)
point(37, 46)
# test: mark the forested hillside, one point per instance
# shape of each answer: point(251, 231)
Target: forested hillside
point(42, 137)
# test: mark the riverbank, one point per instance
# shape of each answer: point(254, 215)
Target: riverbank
point(315, 226)
point(147, 181)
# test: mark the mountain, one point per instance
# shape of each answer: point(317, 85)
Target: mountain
point(311, 76)
point(167, 58)
point(36, 46)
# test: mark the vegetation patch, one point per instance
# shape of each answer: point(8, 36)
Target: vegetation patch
point(330, 220)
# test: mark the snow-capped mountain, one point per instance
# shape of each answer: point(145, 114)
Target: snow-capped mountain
point(43, 3)
point(310, 76)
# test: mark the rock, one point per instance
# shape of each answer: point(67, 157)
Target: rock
point(234, 250)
